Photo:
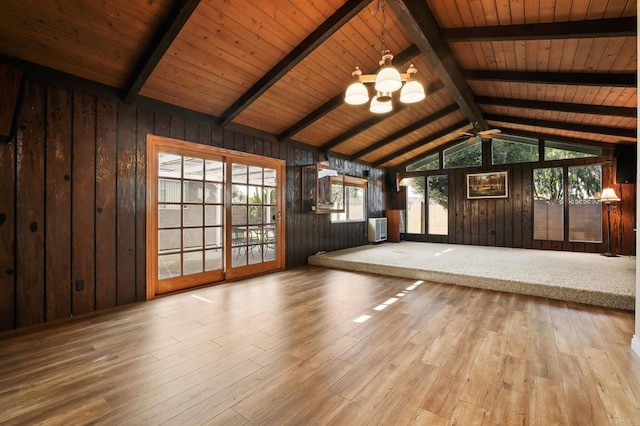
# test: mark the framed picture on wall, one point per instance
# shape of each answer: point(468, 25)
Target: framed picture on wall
point(487, 185)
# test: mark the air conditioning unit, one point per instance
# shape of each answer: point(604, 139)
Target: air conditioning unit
point(377, 229)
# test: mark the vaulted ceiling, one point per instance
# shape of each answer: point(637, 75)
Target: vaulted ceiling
point(558, 69)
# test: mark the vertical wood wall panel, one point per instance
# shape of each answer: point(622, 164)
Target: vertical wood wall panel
point(162, 125)
point(106, 128)
point(191, 131)
point(83, 204)
point(7, 235)
point(178, 127)
point(30, 207)
point(143, 128)
point(58, 204)
point(126, 205)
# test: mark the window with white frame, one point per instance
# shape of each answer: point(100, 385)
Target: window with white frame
point(355, 209)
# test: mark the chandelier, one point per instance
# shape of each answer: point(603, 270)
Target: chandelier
point(386, 82)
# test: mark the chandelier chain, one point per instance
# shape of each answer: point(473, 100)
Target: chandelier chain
point(380, 6)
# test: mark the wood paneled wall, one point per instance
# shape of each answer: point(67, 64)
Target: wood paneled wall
point(508, 222)
point(72, 200)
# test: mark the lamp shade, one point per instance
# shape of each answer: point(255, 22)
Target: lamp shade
point(608, 195)
point(356, 94)
point(388, 80)
point(380, 107)
point(412, 92)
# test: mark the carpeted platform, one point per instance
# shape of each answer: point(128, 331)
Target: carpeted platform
point(578, 277)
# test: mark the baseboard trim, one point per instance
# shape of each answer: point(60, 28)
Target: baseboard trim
point(635, 344)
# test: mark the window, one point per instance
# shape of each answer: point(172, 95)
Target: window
point(463, 155)
point(585, 210)
point(430, 162)
point(438, 204)
point(355, 209)
point(563, 151)
point(514, 149)
point(584, 185)
point(548, 204)
point(415, 205)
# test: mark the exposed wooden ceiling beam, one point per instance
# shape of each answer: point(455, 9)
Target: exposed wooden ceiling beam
point(421, 143)
point(361, 127)
point(555, 138)
point(568, 78)
point(422, 27)
point(332, 24)
point(163, 38)
point(574, 127)
point(10, 83)
point(405, 131)
point(404, 56)
point(614, 27)
point(559, 106)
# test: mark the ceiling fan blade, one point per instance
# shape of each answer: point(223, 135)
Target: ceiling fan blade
point(489, 132)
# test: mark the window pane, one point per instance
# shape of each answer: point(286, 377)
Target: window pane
point(548, 204)
point(269, 196)
point(213, 193)
point(213, 237)
point(269, 214)
point(239, 194)
point(168, 240)
point(239, 173)
point(193, 192)
point(192, 215)
point(585, 210)
point(212, 260)
point(169, 165)
point(514, 150)
point(214, 171)
point(562, 151)
point(255, 194)
point(168, 216)
point(355, 204)
point(463, 155)
point(255, 175)
point(270, 177)
point(255, 215)
point(168, 266)
point(213, 215)
point(193, 168)
point(415, 205)
point(169, 191)
point(438, 196)
point(192, 263)
point(192, 238)
point(239, 215)
point(430, 162)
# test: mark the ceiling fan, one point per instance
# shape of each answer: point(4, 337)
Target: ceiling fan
point(474, 134)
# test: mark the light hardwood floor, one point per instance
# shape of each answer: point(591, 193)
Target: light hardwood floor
point(319, 346)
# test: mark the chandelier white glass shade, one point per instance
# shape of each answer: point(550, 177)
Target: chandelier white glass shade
point(381, 103)
point(386, 82)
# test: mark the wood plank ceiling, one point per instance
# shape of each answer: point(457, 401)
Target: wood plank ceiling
point(562, 69)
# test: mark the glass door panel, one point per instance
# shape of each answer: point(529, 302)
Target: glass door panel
point(189, 227)
point(211, 214)
point(253, 216)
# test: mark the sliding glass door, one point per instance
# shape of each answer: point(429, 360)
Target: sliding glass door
point(212, 214)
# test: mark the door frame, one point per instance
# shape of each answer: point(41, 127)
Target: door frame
point(157, 144)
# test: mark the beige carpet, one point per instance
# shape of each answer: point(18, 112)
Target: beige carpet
point(578, 277)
